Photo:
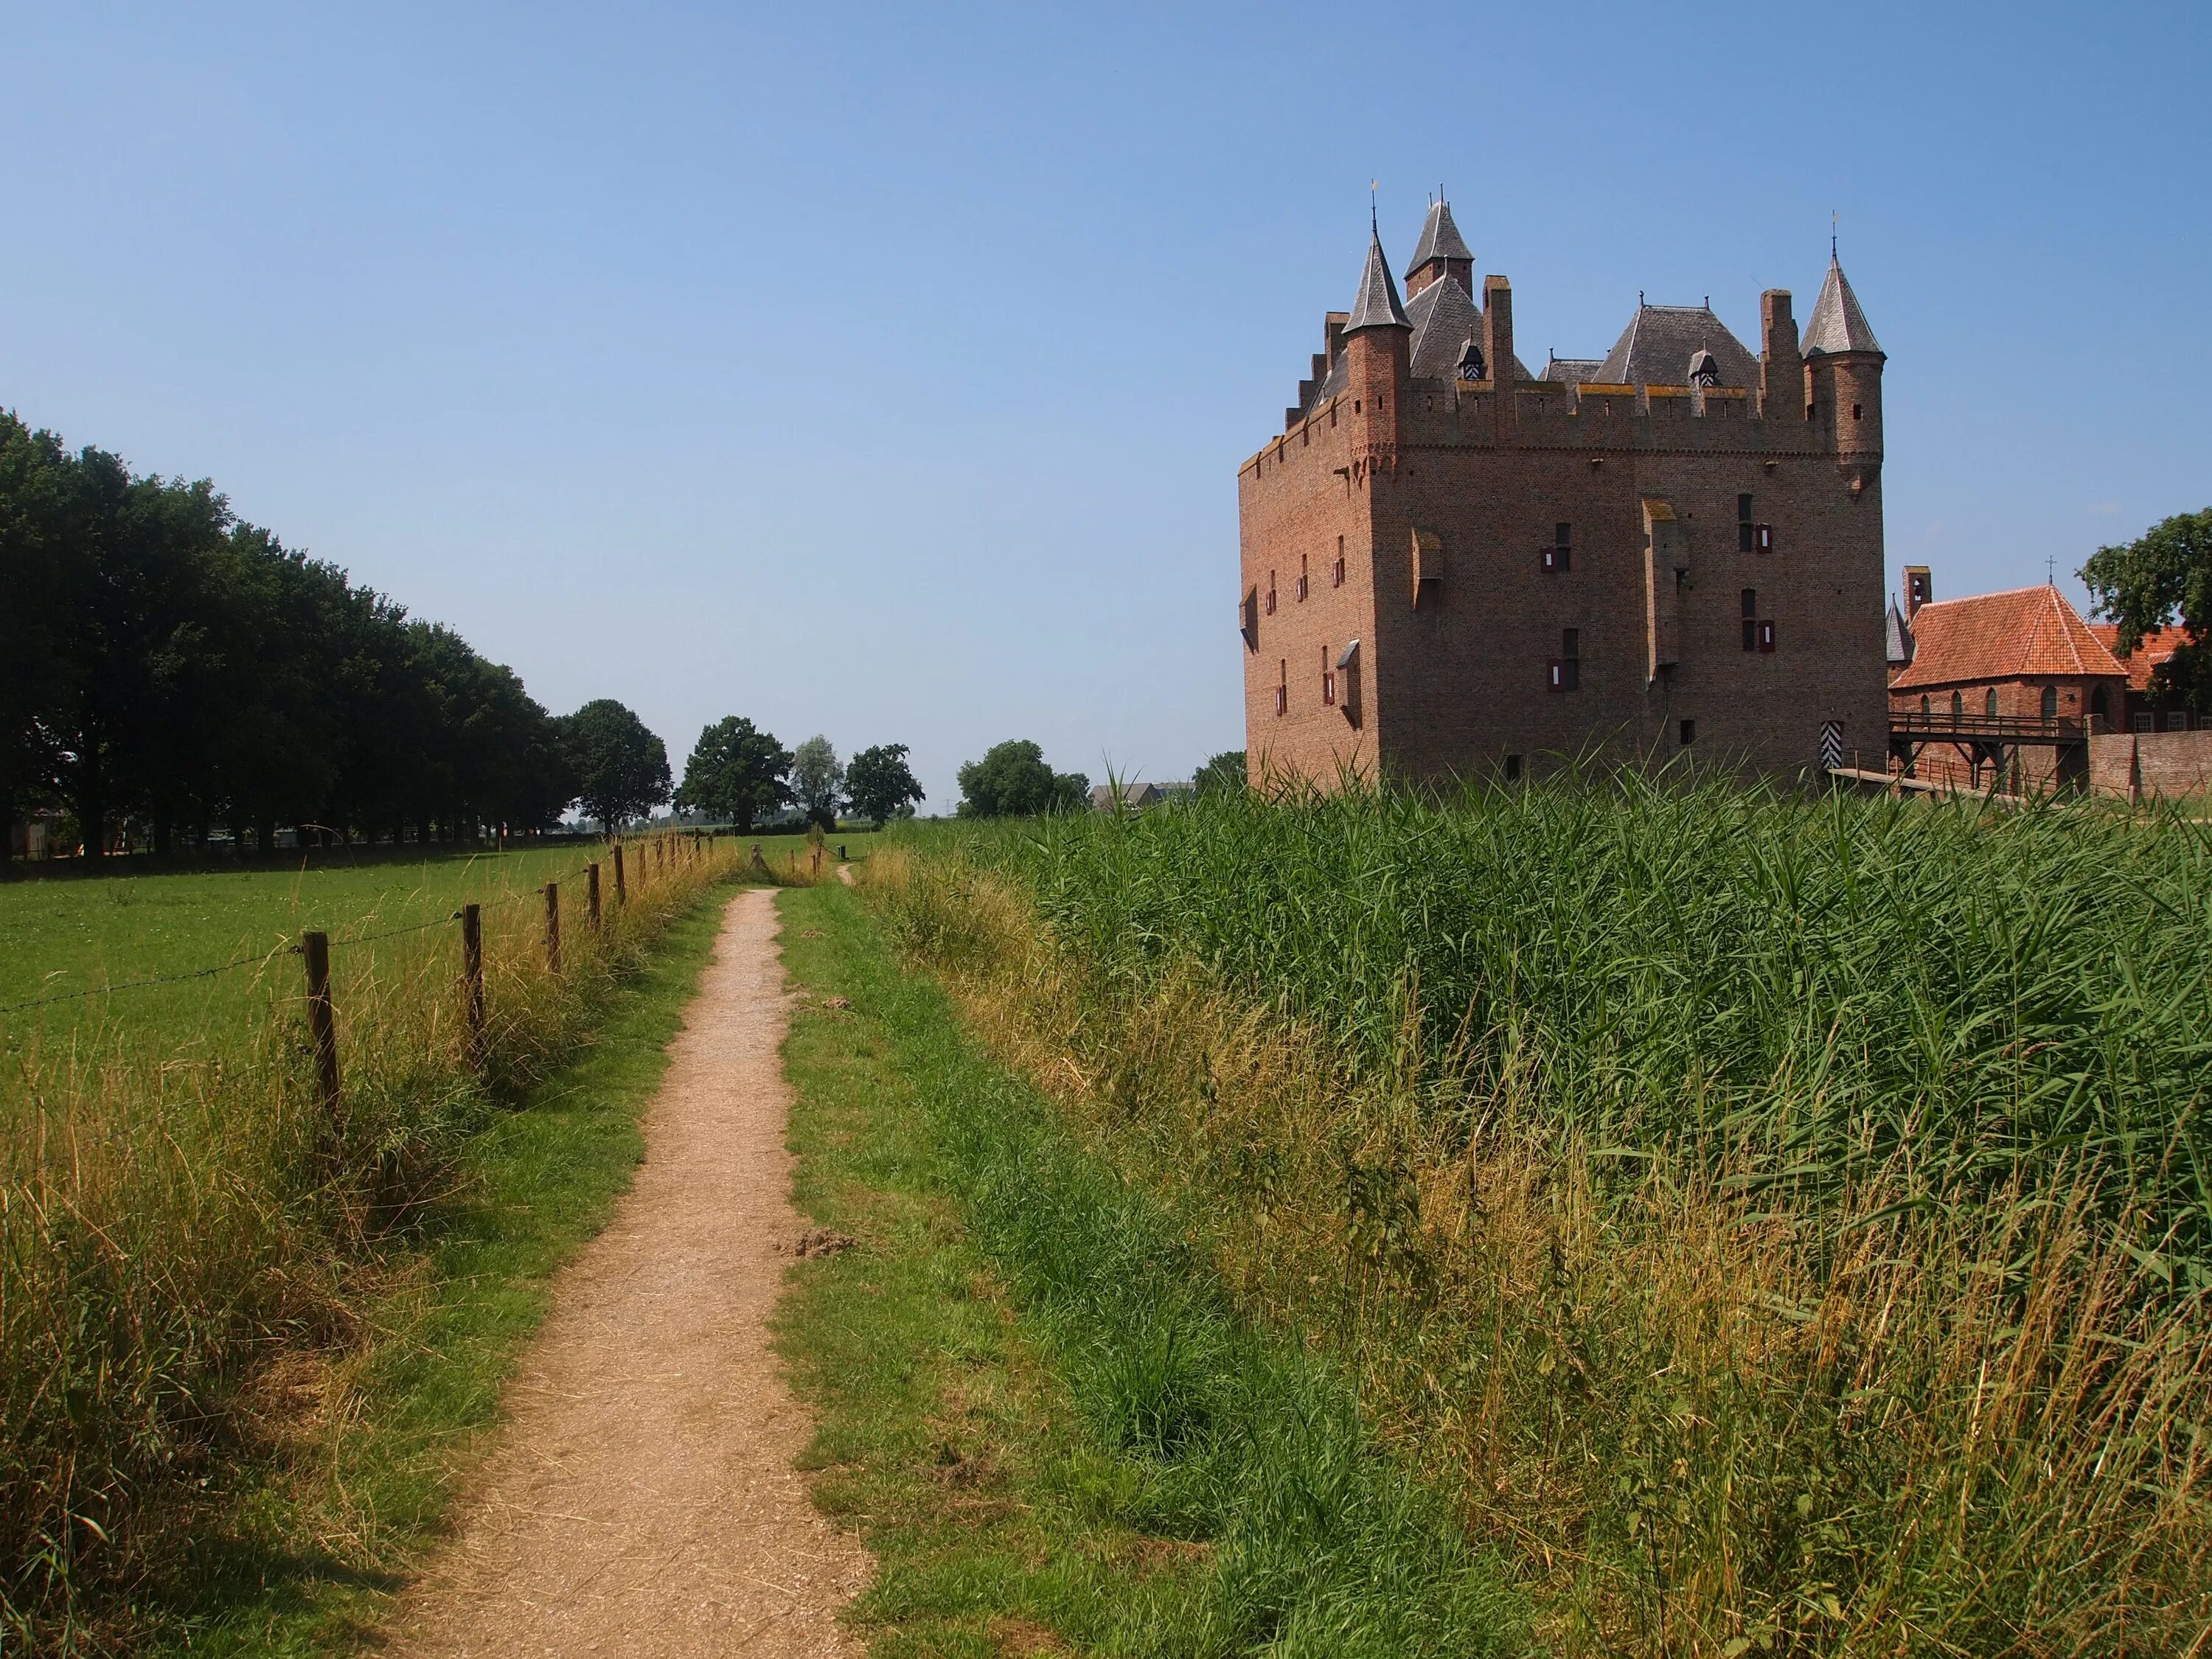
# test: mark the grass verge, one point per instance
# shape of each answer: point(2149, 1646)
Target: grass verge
point(1035, 1402)
point(367, 1449)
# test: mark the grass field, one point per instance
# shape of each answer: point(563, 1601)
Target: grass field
point(1784, 1225)
point(62, 934)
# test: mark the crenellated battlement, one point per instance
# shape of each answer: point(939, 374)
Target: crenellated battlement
point(1679, 542)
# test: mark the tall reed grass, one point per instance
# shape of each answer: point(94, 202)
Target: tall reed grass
point(1783, 1221)
point(175, 1218)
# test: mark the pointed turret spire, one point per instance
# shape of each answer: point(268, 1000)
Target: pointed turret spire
point(1377, 305)
point(1837, 323)
point(1440, 238)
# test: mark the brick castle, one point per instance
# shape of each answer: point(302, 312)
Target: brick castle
point(1454, 567)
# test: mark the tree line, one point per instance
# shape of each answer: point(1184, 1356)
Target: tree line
point(166, 667)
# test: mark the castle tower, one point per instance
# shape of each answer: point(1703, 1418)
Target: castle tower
point(1441, 251)
point(1378, 351)
point(1843, 372)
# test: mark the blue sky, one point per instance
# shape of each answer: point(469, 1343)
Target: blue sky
point(884, 373)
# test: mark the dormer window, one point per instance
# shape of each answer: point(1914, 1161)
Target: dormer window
point(1705, 371)
point(1471, 366)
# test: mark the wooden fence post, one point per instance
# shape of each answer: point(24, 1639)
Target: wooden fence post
point(592, 894)
point(622, 894)
point(472, 997)
point(322, 1019)
point(553, 926)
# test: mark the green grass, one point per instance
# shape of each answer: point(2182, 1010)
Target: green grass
point(1036, 1403)
point(1782, 1223)
point(62, 934)
point(299, 1549)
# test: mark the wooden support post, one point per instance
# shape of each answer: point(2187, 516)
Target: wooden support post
point(592, 894)
point(322, 1019)
point(472, 995)
point(622, 893)
point(553, 926)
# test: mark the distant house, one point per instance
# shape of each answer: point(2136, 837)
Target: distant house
point(1127, 797)
point(2144, 714)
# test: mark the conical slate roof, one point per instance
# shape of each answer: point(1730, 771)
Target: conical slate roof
point(1898, 638)
point(1377, 305)
point(1440, 240)
point(1838, 323)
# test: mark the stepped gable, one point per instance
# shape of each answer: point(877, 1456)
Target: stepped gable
point(2149, 654)
point(1656, 346)
point(1837, 323)
point(1377, 305)
point(2025, 632)
point(1444, 319)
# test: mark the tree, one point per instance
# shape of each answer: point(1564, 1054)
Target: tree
point(1222, 775)
point(880, 785)
point(2145, 585)
point(817, 780)
point(736, 772)
point(621, 768)
point(1012, 780)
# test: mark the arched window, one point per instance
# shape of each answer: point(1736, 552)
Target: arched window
point(1958, 704)
point(1990, 702)
point(2050, 702)
point(1923, 705)
point(2100, 706)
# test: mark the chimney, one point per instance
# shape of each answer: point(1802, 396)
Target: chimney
point(1919, 589)
point(1782, 366)
point(1498, 348)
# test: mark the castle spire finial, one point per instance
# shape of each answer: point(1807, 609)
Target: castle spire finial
point(1834, 218)
point(1373, 224)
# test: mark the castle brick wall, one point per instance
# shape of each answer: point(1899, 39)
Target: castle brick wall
point(2168, 763)
point(1295, 500)
point(1458, 675)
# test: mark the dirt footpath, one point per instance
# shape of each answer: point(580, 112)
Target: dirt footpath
point(642, 1498)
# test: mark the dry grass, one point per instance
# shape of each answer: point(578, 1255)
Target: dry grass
point(1706, 1419)
point(186, 1241)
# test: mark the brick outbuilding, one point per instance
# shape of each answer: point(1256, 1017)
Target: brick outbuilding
point(2020, 656)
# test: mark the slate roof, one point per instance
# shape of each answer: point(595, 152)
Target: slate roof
point(1837, 323)
point(2154, 648)
point(1440, 240)
point(2025, 632)
point(1655, 348)
point(1898, 638)
point(1445, 317)
point(1377, 305)
point(1573, 371)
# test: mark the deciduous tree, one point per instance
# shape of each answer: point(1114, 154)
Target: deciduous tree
point(737, 772)
point(817, 780)
point(1012, 781)
point(881, 785)
point(2163, 577)
point(621, 768)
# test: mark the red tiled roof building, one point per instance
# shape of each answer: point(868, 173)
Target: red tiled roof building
point(2023, 655)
